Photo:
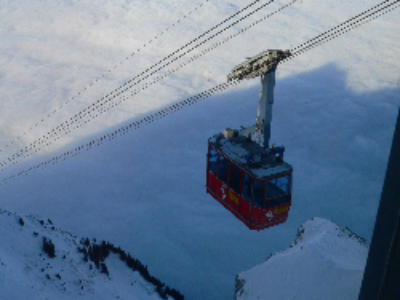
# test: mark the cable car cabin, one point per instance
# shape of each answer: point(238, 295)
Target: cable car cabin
point(252, 182)
point(249, 178)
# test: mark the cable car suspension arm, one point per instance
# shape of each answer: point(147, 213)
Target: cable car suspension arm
point(263, 65)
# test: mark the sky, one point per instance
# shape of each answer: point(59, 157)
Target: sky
point(335, 111)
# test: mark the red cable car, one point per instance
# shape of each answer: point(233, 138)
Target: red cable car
point(246, 176)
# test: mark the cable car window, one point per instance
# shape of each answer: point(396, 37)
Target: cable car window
point(223, 169)
point(247, 187)
point(259, 188)
point(213, 161)
point(277, 202)
point(234, 179)
point(283, 184)
point(273, 190)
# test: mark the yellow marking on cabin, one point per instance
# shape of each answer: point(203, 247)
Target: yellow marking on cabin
point(281, 210)
point(234, 198)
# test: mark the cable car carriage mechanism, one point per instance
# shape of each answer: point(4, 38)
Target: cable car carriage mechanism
point(245, 174)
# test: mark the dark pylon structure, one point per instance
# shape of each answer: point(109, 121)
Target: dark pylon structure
point(382, 273)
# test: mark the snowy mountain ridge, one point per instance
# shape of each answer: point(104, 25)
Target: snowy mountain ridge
point(323, 255)
point(40, 261)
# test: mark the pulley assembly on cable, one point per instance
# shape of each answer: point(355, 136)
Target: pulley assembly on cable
point(245, 174)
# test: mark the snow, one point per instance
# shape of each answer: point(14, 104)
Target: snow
point(27, 272)
point(335, 110)
point(325, 262)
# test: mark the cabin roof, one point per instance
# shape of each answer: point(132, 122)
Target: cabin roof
point(250, 156)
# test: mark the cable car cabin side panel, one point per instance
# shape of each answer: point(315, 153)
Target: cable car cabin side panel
point(271, 201)
point(259, 204)
point(264, 218)
point(229, 199)
point(253, 217)
point(219, 172)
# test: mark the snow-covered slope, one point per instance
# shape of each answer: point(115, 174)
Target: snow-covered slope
point(40, 261)
point(324, 262)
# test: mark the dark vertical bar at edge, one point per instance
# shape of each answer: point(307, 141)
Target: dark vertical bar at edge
point(382, 272)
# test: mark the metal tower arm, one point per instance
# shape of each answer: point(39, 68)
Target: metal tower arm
point(264, 65)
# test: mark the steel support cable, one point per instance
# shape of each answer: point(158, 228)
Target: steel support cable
point(193, 58)
point(175, 70)
point(344, 28)
point(162, 113)
point(146, 85)
point(122, 130)
point(338, 32)
point(337, 26)
point(66, 125)
point(148, 119)
point(329, 38)
point(109, 98)
point(103, 75)
point(95, 106)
